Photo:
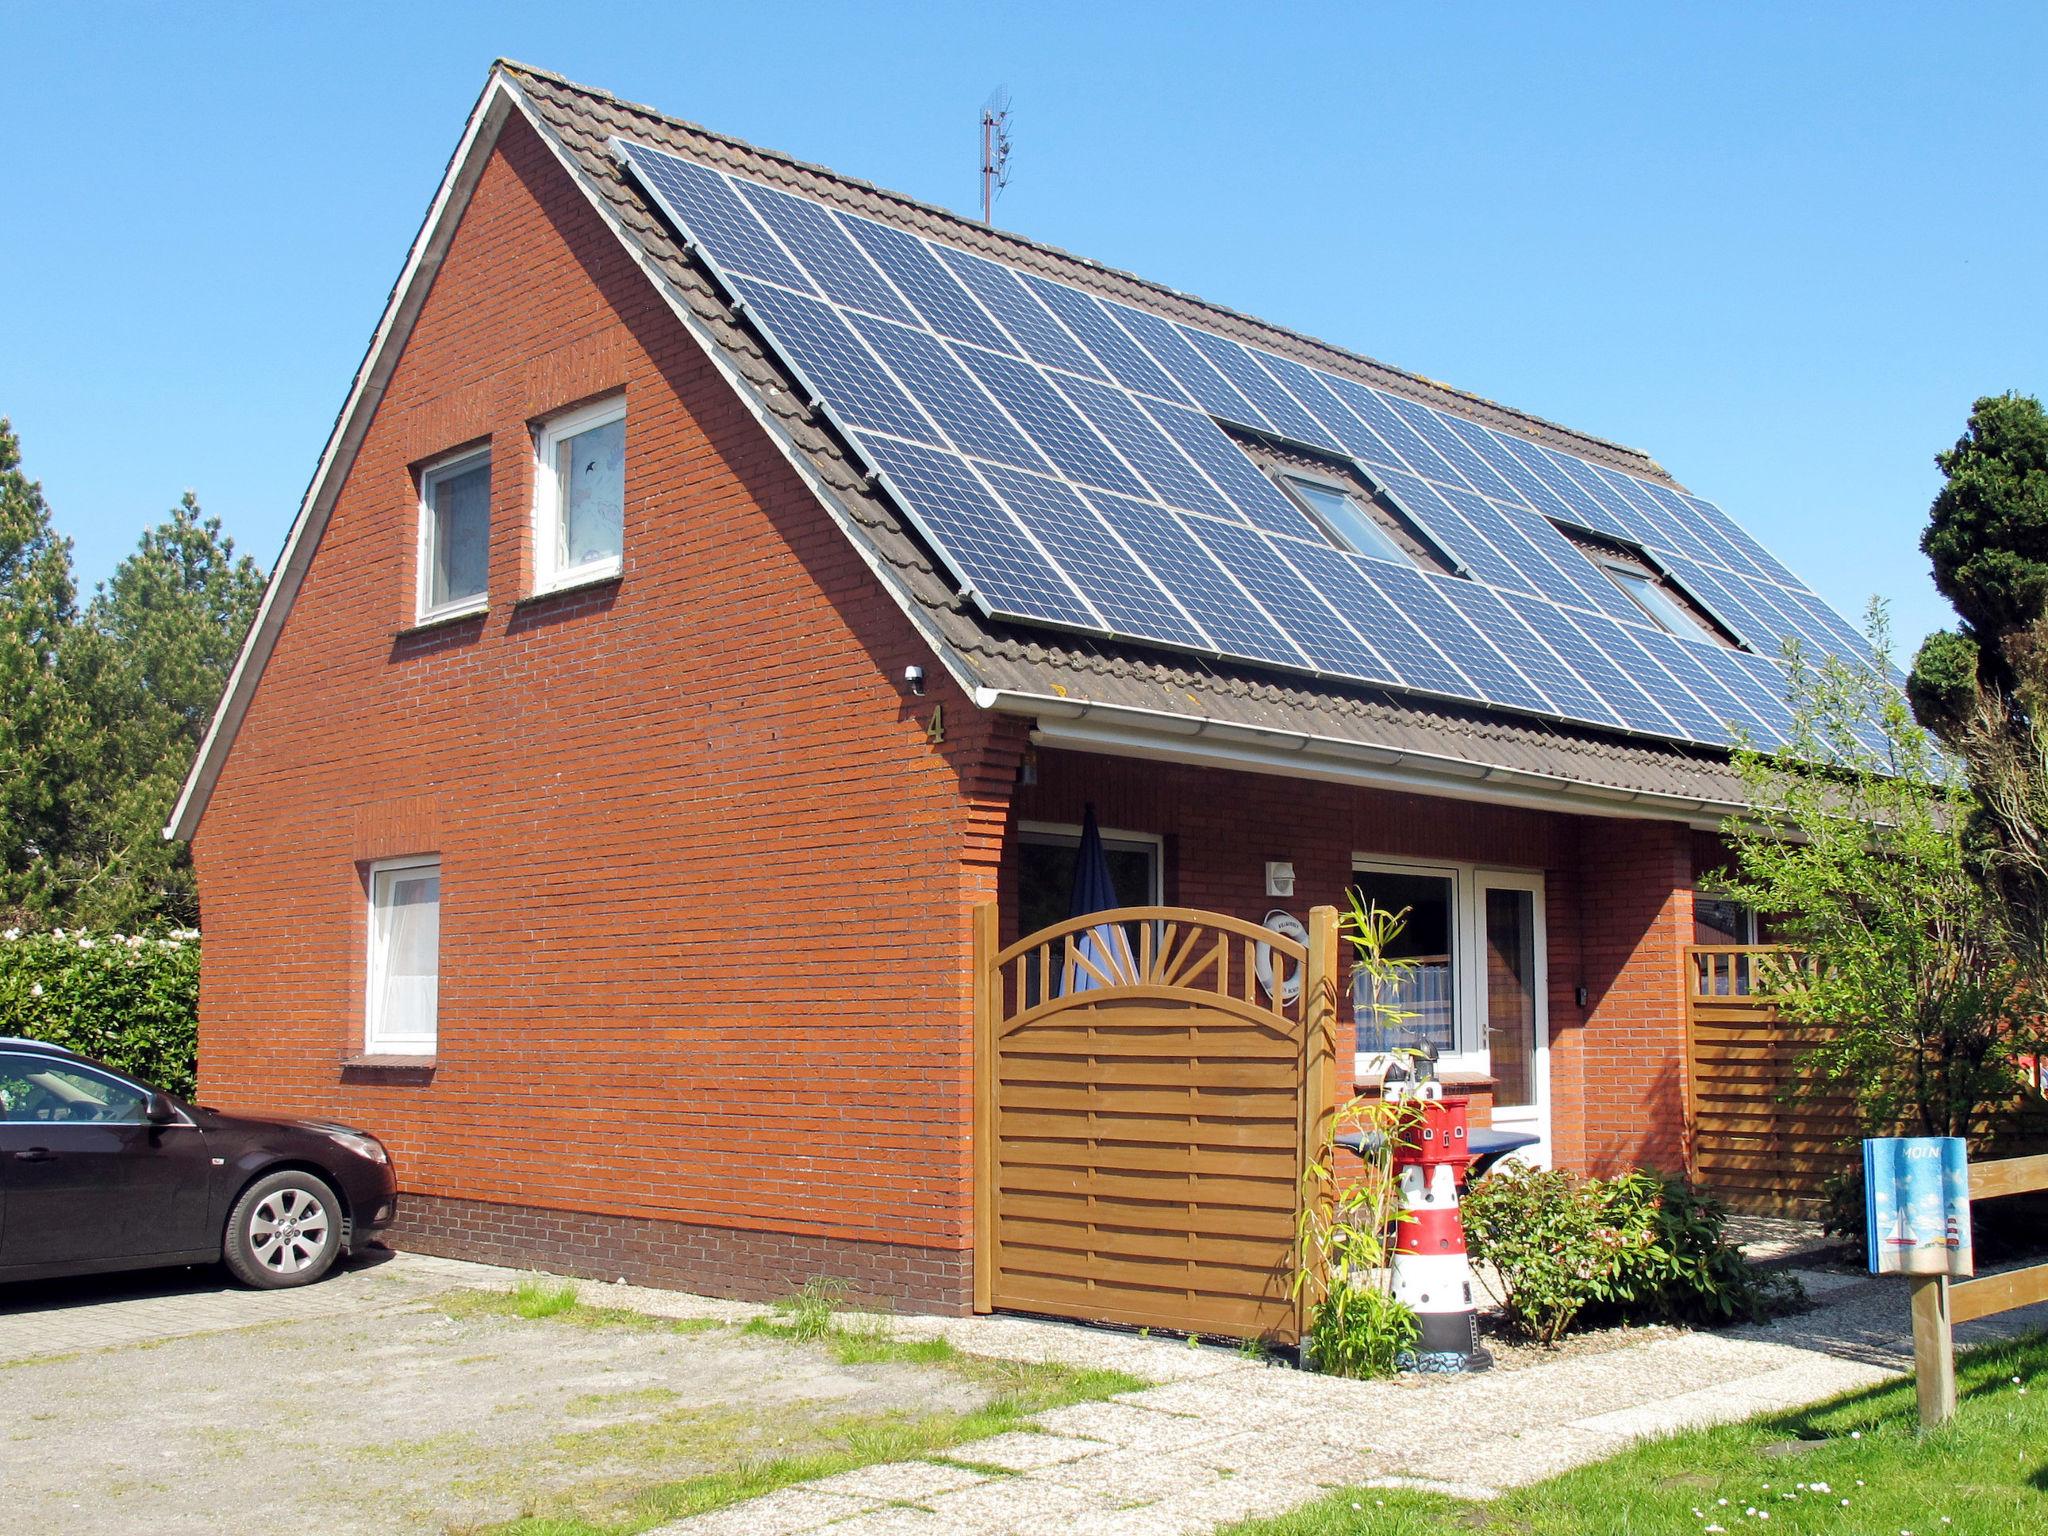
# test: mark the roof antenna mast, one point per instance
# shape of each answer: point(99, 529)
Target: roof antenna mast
point(995, 150)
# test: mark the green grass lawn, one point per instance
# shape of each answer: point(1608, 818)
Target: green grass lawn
point(1867, 1472)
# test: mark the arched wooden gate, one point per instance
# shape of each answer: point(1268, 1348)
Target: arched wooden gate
point(1141, 1123)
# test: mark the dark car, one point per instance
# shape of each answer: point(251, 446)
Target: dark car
point(99, 1171)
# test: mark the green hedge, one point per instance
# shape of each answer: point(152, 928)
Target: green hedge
point(131, 1001)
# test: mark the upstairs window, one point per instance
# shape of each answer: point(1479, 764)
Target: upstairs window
point(1656, 596)
point(580, 491)
point(1343, 505)
point(1340, 514)
point(455, 535)
point(403, 1007)
point(1647, 593)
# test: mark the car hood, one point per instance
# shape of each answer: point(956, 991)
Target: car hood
point(227, 1121)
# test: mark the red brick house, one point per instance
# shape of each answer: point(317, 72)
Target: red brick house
point(573, 821)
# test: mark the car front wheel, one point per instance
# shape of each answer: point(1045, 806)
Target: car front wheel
point(285, 1230)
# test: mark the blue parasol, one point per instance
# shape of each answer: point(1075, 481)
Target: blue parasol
point(1105, 948)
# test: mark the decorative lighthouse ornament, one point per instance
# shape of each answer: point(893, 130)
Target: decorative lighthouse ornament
point(1431, 1272)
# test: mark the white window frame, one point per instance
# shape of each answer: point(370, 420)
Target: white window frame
point(431, 474)
point(377, 1042)
point(548, 438)
point(1066, 834)
point(1688, 627)
point(1469, 884)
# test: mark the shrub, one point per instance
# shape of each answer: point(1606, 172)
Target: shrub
point(1541, 1230)
point(1673, 1260)
point(128, 1000)
point(1358, 1329)
point(1637, 1246)
point(1355, 1326)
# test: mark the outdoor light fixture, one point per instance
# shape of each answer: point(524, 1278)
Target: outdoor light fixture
point(913, 679)
point(1279, 878)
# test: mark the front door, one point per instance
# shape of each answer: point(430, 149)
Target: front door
point(1512, 1003)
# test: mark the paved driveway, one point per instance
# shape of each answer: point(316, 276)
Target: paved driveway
point(57, 1317)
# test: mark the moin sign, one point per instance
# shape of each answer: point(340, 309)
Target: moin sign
point(1916, 1202)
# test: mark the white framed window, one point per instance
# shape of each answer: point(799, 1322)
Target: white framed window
point(401, 1011)
point(1659, 606)
point(580, 496)
point(455, 535)
point(1046, 855)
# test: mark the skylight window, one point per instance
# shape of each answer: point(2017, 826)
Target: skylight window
point(1345, 519)
point(1665, 611)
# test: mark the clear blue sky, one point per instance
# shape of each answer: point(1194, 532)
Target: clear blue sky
point(1780, 247)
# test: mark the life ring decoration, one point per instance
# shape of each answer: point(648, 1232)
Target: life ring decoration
point(1288, 926)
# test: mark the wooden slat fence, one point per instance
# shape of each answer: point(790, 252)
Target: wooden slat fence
point(1761, 1131)
point(1764, 1131)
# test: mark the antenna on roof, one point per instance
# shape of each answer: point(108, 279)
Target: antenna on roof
point(995, 150)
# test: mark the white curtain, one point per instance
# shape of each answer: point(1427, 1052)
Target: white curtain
point(409, 970)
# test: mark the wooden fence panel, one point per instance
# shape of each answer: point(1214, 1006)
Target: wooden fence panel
point(1762, 1132)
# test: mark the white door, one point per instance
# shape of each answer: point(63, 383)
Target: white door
point(1510, 1000)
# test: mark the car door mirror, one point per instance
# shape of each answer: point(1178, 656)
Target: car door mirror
point(157, 1109)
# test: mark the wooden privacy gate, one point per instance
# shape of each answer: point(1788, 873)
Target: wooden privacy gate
point(1141, 1125)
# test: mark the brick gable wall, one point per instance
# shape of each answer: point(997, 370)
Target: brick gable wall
point(704, 932)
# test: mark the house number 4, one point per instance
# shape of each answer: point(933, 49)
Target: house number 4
point(935, 728)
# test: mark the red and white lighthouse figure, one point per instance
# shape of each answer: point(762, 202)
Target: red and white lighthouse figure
point(1431, 1272)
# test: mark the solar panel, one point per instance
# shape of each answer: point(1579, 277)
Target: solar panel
point(1043, 338)
point(843, 274)
point(1066, 457)
point(957, 512)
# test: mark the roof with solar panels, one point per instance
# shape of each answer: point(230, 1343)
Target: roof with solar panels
point(1149, 521)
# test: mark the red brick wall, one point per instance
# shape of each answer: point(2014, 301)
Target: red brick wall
point(1614, 902)
point(1635, 921)
point(704, 910)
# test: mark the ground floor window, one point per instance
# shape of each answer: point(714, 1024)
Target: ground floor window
point(1473, 987)
point(1716, 920)
point(1046, 853)
point(401, 1012)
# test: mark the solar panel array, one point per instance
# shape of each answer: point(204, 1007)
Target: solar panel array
point(1062, 454)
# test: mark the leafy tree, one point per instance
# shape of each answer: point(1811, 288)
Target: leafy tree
point(147, 662)
point(1858, 842)
point(39, 723)
point(1983, 688)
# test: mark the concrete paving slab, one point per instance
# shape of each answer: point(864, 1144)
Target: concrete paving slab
point(1124, 1476)
point(1130, 1426)
point(892, 1480)
point(1505, 1461)
point(786, 1512)
point(895, 1521)
point(1003, 1504)
point(1022, 1451)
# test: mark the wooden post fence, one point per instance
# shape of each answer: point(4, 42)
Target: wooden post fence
point(1940, 1303)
